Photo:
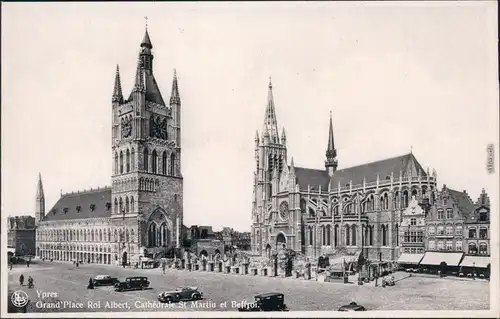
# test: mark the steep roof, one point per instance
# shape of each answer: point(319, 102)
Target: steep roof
point(313, 177)
point(405, 163)
point(152, 93)
point(85, 199)
point(464, 203)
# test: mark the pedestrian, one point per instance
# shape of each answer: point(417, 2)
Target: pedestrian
point(21, 279)
point(77, 264)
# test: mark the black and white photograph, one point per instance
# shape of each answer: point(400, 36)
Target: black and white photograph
point(236, 159)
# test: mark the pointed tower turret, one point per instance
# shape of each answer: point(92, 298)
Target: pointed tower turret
point(175, 104)
point(117, 90)
point(270, 121)
point(40, 201)
point(331, 153)
point(174, 96)
point(283, 137)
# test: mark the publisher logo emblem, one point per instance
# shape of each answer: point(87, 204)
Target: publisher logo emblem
point(19, 299)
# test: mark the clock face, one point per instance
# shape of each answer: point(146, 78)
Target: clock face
point(284, 210)
point(126, 129)
point(159, 128)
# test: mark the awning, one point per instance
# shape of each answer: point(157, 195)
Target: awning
point(435, 258)
point(475, 261)
point(11, 250)
point(410, 258)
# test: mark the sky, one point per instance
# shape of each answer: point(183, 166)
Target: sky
point(396, 76)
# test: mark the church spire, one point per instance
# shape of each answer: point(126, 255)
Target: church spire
point(117, 90)
point(139, 76)
point(39, 188)
point(331, 152)
point(270, 122)
point(174, 97)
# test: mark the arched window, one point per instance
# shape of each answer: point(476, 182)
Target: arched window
point(483, 249)
point(109, 234)
point(172, 164)
point(115, 237)
point(132, 204)
point(163, 234)
point(397, 235)
point(405, 199)
point(336, 235)
point(354, 234)
point(164, 163)
point(384, 235)
point(472, 249)
point(414, 193)
point(132, 160)
point(127, 205)
point(132, 234)
point(146, 160)
point(127, 236)
point(347, 235)
point(121, 206)
point(116, 206)
point(116, 163)
point(128, 160)
point(154, 162)
point(384, 201)
point(328, 235)
point(152, 235)
point(395, 200)
point(121, 162)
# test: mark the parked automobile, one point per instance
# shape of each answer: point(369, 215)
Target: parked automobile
point(180, 294)
point(267, 302)
point(353, 306)
point(105, 280)
point(132, 283)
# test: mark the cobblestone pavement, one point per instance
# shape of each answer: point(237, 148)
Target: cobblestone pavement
point(68, 284)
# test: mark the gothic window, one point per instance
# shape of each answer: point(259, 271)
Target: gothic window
point(121, 162)
point(146, 160)
point(127, 236)
point(121, 206)
point(347, 235)
point(310, 235)
point(132, 159)
point(371, 235)
point(384, 201)
point(154, 162)
point(354, 234)
point(405, 199)
point(172, 164)
point(336, 235)
point(132, 204)
point(116, 206)
point(127, 159)
point(116, 163)
point(323, 230)
point(164, 234)
point(164, 163)
point(397, 235)
point(328, 235)
point(127, 205)
point(395, 200)
point(132, 234)
point(152, 235)
point(384, 235)
point(414, 193)
point(100, 235)
point(115, 237)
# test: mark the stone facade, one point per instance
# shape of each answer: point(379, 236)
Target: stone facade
point(412, 229)
point(315, 211)
point(141, 214)
point(477, 225)
point(21, 235)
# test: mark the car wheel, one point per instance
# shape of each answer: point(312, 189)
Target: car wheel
point(196, 296)
point(168, 300)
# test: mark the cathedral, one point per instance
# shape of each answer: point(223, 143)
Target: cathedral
point(316, 211)
point(141, 213)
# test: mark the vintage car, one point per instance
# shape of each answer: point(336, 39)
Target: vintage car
point(266, 302)
point(353, 306)
point(105, 280)
point(132, 283)
point(180, 294)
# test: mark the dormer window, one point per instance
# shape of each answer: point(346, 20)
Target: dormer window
point(347, 185)
point(108, 205)
point(92, 207)
point(54, 211)
point(388, 177)
point(65, 210)
point(78, 208)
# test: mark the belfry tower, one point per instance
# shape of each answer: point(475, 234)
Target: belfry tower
point(40, 201)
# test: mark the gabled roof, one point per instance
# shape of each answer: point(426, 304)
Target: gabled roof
point(406, 164)
point(85, 199)
point(463, 201)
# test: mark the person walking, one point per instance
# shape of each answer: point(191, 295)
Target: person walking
point(21, 279)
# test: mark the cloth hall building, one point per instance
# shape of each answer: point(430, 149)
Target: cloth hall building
point(142, 212)
point(314, 211)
